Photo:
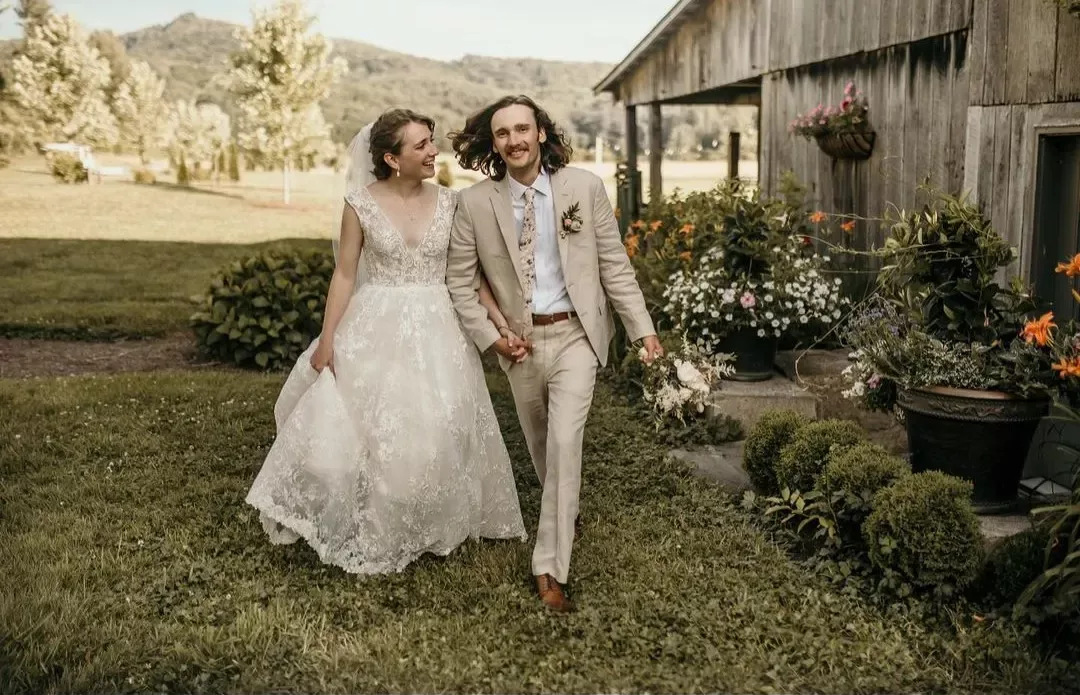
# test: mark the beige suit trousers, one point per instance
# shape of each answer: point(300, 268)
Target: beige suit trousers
point(553, 390)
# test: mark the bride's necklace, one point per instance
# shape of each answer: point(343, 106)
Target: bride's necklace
point(410, 210)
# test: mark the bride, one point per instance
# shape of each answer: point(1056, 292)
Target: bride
point(387, 445)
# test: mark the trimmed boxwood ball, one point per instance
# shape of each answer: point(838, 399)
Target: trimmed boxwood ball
point(924, 528)
point(862, 470)
point(773, 431)
point(803, 460)
point(264, 310)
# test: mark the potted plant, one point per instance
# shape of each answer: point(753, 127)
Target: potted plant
point(954, 352)
point(842, 131)
point(759, 279)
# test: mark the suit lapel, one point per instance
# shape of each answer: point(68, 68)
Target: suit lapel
point(504, 216)
point(560, 187)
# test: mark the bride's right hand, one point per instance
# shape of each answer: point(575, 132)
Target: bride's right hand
point(323, 357)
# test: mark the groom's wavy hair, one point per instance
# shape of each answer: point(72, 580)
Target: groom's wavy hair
point(474, 144)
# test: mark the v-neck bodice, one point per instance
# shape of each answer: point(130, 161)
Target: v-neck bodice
point(388, 258)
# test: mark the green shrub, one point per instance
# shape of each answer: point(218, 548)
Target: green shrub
point(264, 310)
point(1010, 567)
point(183, 174)
point(444, 177)
point(144, 176)
point(924, 529)
point(67, 168)
point(862, 471)
point(234, 162)
point(767, 438)
point(803, 460)
point(198, 173)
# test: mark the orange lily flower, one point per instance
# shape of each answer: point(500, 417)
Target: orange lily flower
point(1072, 268)
point(848, 226)
point(1038, 331)
point(1068, 366)
point(632, 242)
point(818, 217)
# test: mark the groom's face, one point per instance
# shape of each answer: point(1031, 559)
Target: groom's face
point(517, 138)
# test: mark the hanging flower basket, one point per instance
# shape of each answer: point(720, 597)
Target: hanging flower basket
point(847, 145)
point(842, 131)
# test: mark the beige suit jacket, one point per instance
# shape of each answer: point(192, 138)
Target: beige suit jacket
point(594, 261)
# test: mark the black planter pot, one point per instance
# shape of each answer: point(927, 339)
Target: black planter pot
point(981, 436)
point(754, 356)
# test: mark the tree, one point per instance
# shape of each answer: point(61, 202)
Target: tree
point(113, 50)
point(197, 131)
point(141, 109)
point(280, 75)
point(234, 162)
point(33, 11)
point(59, 81)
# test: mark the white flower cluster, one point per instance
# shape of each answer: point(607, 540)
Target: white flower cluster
point(708, 303)
point(679, 385)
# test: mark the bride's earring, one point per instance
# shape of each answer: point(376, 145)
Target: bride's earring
point(398, 172)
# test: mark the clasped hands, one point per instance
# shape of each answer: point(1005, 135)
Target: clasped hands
point(516, 349)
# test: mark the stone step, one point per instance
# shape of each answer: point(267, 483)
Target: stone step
point(747, 401)
point(796, 364)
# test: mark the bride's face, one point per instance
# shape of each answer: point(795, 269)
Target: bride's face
point(417, 157)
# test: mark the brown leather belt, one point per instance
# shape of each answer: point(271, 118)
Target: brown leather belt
point(548, 319)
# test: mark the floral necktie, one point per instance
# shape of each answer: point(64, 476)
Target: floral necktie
point(528, 259)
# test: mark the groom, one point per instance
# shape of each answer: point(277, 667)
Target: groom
point(546, 239)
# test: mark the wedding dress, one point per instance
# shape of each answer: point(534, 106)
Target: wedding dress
point(400, 453)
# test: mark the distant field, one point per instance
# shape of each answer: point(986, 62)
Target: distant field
point(33, 205)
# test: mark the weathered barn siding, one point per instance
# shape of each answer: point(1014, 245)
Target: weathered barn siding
point(813, 31)
point(1002, 159)
point(1024, 52)
point(724, 43)
point(728, 42)
point(918, 97)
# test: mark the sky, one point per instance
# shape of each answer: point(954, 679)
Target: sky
point(576, 30)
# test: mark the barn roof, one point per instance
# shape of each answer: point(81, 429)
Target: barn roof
point(675, 17)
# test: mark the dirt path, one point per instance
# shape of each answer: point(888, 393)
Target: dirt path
point(21, 358)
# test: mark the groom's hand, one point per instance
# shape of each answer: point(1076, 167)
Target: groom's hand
point(651, 349)
point(513, 349)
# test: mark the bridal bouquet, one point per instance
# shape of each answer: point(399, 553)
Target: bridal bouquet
point(678, 385)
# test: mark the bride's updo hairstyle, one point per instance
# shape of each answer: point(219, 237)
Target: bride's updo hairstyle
point(386, 133)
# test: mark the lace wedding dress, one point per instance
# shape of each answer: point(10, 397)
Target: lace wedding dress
point(400, 454)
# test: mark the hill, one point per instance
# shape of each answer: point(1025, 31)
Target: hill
point(190, 50)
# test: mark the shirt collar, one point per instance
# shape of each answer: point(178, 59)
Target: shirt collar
point(542, 184)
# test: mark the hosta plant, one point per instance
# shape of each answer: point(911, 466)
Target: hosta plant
point(264, 310)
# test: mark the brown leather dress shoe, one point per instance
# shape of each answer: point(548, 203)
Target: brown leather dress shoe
point(552, 594)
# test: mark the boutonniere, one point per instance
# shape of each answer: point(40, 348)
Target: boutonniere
point(571, 221)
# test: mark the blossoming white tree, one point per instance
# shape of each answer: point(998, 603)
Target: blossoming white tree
point(60, 80)
point(198, 131)
point(141, 109)
point(279, 76)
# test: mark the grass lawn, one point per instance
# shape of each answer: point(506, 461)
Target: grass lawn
point(131, 563)
point(52, 288)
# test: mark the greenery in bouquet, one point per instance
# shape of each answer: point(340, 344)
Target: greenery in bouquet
point(940, 317)
point(677, 385)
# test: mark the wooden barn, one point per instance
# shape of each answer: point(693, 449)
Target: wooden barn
point(981, 96)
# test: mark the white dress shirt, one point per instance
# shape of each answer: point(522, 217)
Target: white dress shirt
point(549, 294)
